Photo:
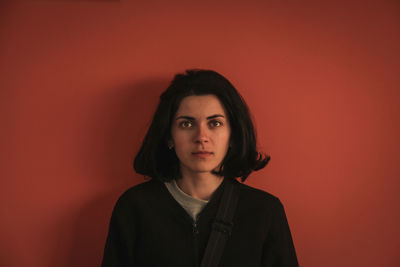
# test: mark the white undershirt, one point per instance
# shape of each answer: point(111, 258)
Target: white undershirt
point(193, 206)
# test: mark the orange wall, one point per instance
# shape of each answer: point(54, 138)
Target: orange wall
point(80, 80)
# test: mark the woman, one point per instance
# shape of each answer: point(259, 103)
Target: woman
point(200, 140)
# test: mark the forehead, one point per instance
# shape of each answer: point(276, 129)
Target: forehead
point(199, 106)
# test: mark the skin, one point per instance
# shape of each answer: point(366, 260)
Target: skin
point(200, 136)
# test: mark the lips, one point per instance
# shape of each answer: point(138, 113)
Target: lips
point(202, 153)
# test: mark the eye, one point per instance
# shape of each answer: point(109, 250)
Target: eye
point(215, 123)
point(186, 124)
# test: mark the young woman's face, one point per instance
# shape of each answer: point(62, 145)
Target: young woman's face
point(200, 134)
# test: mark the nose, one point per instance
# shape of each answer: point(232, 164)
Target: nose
point(202, 135)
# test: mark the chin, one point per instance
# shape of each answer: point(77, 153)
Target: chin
point(201, 169)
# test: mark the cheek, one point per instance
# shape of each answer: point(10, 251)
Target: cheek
point(181, 140)
point(224, 138)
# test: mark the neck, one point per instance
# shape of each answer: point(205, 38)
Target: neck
point(199, 185)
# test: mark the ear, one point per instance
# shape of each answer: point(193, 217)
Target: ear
point(170, 144)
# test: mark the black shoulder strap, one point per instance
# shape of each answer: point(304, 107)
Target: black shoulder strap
point(222, 225)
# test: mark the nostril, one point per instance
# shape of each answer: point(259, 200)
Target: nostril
point(201, 140)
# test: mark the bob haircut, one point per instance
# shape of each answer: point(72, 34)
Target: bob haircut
point(157, 161)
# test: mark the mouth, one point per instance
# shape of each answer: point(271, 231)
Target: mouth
point(202, 154)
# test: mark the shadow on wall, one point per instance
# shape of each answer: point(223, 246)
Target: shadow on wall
point(121, 122)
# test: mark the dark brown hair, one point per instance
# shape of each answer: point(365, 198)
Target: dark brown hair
point(157, 161)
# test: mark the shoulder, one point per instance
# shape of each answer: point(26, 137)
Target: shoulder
point(139, 194)
point(254, 197)
point(259, 210)
point(142, 188)
point(256, 194)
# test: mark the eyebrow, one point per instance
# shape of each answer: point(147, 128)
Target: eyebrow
point(208, 118)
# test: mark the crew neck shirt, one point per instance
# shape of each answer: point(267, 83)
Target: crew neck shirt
point(191, 205)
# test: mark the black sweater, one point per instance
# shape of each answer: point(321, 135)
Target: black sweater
point(149, 228)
